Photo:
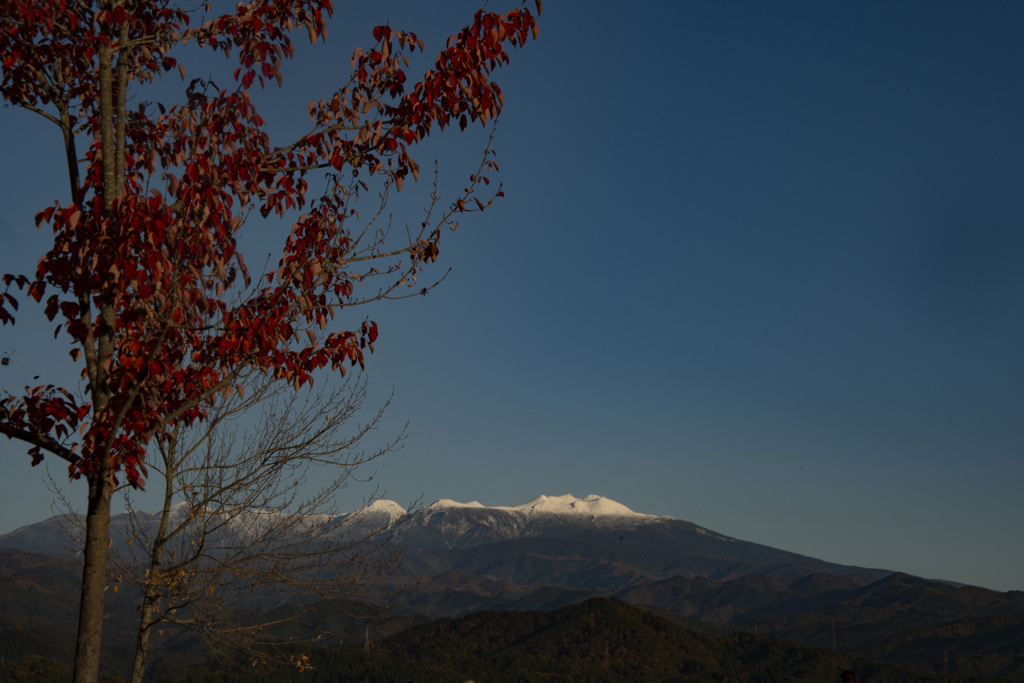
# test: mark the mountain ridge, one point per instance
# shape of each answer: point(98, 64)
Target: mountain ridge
point(445, 533)
point(555, 551)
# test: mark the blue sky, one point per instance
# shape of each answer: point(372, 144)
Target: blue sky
point(759, 267)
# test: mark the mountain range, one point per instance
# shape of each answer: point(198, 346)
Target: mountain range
point(592, 543)
point(555, 551)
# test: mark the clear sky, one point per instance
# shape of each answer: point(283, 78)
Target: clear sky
point(760, 266)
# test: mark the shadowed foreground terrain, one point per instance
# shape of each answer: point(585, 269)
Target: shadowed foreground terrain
point(600, 640)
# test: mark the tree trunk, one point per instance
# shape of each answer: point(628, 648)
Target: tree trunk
point(145, 626)
point(99, 352)
point(94, 579)
point(154, 577)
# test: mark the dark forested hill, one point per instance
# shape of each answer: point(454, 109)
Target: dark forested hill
point(599, 640)
point(929, 626)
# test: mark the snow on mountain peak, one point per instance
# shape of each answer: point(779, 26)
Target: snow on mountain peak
point(440, 507)
point(379, 509)
point(386, 506)
point(568, 504)
point(446, 503)
point(591, 506)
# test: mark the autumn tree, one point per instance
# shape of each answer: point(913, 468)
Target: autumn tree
point(145, 278)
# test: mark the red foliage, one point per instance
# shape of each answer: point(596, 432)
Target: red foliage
point(145, 276)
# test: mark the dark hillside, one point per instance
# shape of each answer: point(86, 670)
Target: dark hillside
point(600, 640)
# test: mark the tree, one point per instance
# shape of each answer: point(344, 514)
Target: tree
point(245, 536)
point(145, 276)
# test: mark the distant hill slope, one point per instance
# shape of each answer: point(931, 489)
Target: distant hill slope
point(39, 611)
point(926, 625)
point(591, 543)
point(929, 625)
point(599, 640)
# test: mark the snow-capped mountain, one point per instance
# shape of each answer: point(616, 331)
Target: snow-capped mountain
point(447, 524)
point(591, 543)
point(442, 524)
point(592, 506)
point(61, 535)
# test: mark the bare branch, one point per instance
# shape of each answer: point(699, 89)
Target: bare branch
point(241, 533)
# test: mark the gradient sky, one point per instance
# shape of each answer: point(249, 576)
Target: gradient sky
point(760, 267)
